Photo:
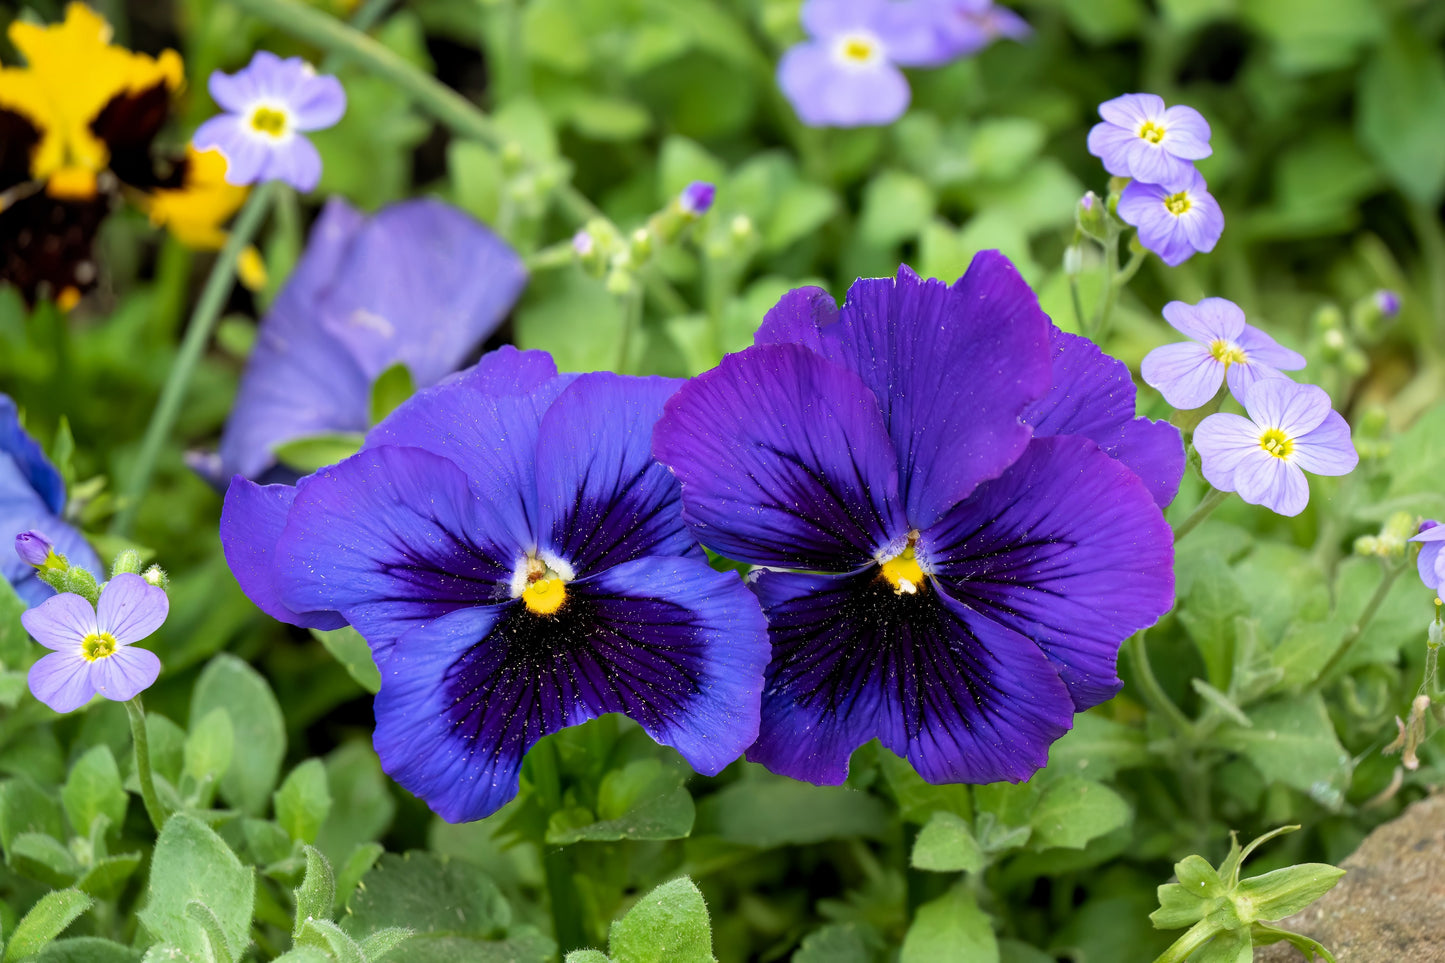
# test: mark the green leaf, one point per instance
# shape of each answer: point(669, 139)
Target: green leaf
point(192, 863)
point(836, 943)
point(316, 896)
point(1013, 951)
point(573, 317)
point(107, 877)
point(260, 731)
point(357, 865)
point(47, 919)
point(477, 179)
point(1073, 811)
point(1199, 877)
point(682, 161)
point(668, 925)
point(917, 799)
point(347, 646)
point(1285, 892)
point(210, 746)
point(609, 118)
point(25, 808)
point(1264, 935)
point(379, 944)
point(205, 917)
point(325, 933)
point(950, 929)
point(1097, 747)
point(643, 800)
point(44, 858)
point(87, 949)
point(16, 649)
point(1314, 35)
point(429, 895)
point(1293, 742)
point(304, 801)
point(304, 954)
point(1178, 908)
point(587, 956)
point(801, 210)
point(896, 206)
point(1234, 946)
point(363, 806)
point(1002, 147)
point(312, 452)
point(770, 811)
point(266, 841)
point(1210, 605)
point(946, 845)
point(390, 389)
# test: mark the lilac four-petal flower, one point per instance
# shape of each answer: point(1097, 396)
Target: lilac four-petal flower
point(32, 500)
point(1291, 429)
point(1143, 139)
point(1174, 224)
point(964, 27)
point(270, 103)
point(1432, 541)
point(517, 562)
point(970, 502)
point(1222, 347)
point(94, 647)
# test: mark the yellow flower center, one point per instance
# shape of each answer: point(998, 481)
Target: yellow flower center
point(268, 121)
point(1177, 204)
point(1151, 132)
point(1277, 443)
point(545, 596)
point(1227, 352)
point(903, 572)
point(97, 645)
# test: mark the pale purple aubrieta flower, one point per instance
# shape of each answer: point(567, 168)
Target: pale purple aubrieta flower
point(1223, 347)
point(964, 27)
point(1173, 224)
point(1291, 429)
point(269, 104)
point(846, 74)
point(1432, 541)
point(1143, 139)
point(696, 198)
point(94, 647)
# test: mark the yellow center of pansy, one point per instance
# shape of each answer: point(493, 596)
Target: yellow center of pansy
point(1151, 132)
point(97, 645)
point(545, 596)
point(1177, 204)
point(1277, 443)
point(903, 571)
point(264, 120)
point(1226, 351)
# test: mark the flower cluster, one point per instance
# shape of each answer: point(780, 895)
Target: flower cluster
point(1167, 200)
point(77, 124)
point(847, 73)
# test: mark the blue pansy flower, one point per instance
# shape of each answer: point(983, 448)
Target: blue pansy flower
point(32, 499)
point(517, 561)
point(967, 503)
point(419, 282)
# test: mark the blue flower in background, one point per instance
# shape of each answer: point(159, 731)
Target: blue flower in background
point(1174, 224)
point(418, 282)
point(32, 499)
point(518, 563)
point(964, 27)
point(972, 504)
point(1432, 540)
point(270, 103)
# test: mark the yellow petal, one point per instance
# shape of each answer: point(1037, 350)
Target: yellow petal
point(195, 211)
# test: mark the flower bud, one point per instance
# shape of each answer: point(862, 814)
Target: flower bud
point(696, 198)
point(1073, 260)
point(1089, 215)
point(34, 548)
point(127, 562)
point(742, 228)
point(155, 575)
point(641, 245)
point(82, 583)
point(1387, 302)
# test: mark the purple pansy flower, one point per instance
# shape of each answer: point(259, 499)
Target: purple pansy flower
point(936, 461)
point(846, 74)
point(418, 282)
point(269, 104)
point(93, 647)
point(32, 499)
point(1432, 540)
point(517, 562)
point(1173, 224)
point(1223, 347)
point(1143, 139)
point(964, 27)
point(1291, 429)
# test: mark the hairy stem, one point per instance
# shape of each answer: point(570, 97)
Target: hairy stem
point(141, 737)
point(1211, 500)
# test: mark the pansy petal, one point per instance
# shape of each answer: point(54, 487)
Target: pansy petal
point(670, 643)
point(1224, 441)
point(318, 103)
point(783, 460)
point(961, 697)
point(392, 538)
point(1184, 372)
point(61, 622)
point(252, 519)
point(125, 674)
point(509, 371)
point(602, 499)
point(29, 458)
point(1093, 395)
point(1066, 548)
point(954, 369)
point(131, 608)
point(296, 162)
point(1327, 450)
point(1294, 409)
point(61, 680)
point(1275, 483)
point(797, 318)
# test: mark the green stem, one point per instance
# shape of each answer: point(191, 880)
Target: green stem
point(557, 255)
point(1212, 500)
point(1079, 317)
point(139, 734)
point(1111, 290)
point(198, 335)
point(1193, 938)
point(631, 321)
point(1382, 591)
point(545, 766)
point(1154, 693)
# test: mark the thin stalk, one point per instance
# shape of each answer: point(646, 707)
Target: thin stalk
point(1079, 317)
point(1117, 283)
point(141, 737)
point(557, 866)
point(1111, 290)
point(1212, 500)
point(1382, 591)
point(1153, 692)
point(631, 322)
point(557, 255)
point(198, 335)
